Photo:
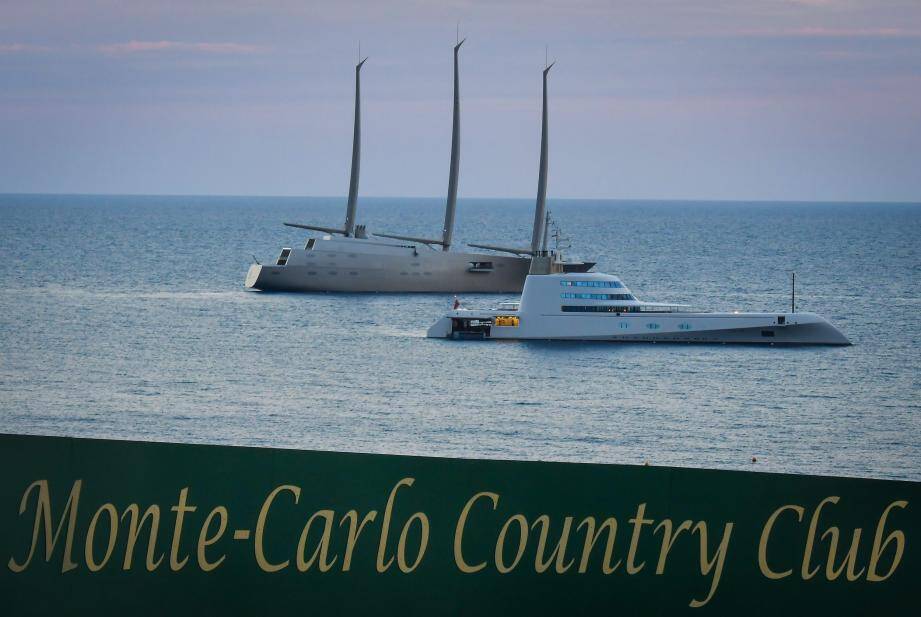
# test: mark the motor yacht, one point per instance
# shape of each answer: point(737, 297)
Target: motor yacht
point(598, 307)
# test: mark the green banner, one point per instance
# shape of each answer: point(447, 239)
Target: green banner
point(112, 526)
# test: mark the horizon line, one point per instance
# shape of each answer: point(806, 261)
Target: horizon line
point(479, 198)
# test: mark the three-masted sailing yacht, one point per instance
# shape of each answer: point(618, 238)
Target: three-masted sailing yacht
point(352, 260)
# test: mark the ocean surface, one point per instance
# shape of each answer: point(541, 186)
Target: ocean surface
point(126, 317)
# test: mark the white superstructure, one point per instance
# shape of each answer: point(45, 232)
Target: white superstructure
point(595, 306)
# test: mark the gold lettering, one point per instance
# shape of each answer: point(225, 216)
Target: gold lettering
point(43, 519)
point(385, 525)
point(423, 541)
point(260, 528)
point(559, 553)
point(810, 538)
point(134, 531)
point(591, 537)
point(637, 523)
point(91, 535)
point(204, 541)
point(354, 531)
point(668, 540)
point(850, 561)
point(897, 536)
point(522, 543)
point(322, 549)
point(718, 559)
point(180, 509)
point(765, 536)
point(462, 565)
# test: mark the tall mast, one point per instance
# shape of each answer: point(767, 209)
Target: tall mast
point(541, 207)
point(451, 205)
point(356, 154)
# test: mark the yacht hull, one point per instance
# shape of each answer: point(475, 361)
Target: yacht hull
point(355, 266)
point(742, 328)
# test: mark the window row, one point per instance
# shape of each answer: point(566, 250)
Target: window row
point(595, 308)
point(591, 284)
point(598, 309)
point(588, 296)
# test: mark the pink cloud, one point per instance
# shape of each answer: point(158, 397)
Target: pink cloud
point(820, 32)
point(133, 47)
point(12, 48)
point(854, 32)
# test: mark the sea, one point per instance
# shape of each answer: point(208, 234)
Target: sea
point(125, 317)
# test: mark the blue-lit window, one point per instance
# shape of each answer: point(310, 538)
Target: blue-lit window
point(597, 308)
point(588, 296)
point(624, 325)
point(684, 326)
point(614, 284)
point(653, 326)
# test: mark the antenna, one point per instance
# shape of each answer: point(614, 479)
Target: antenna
point(546, 55)
point(793, 294)
point(560, 241)
point(457, 34)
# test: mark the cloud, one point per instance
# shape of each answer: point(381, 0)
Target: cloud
point(134, 47)
point(814, 2)
point(854, 32)
point(14, 48)
point(836, 33)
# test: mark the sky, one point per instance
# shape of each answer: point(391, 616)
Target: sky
point(661, 99)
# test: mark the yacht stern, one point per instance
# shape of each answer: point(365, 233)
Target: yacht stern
point(440, 329)
point(252, 276)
